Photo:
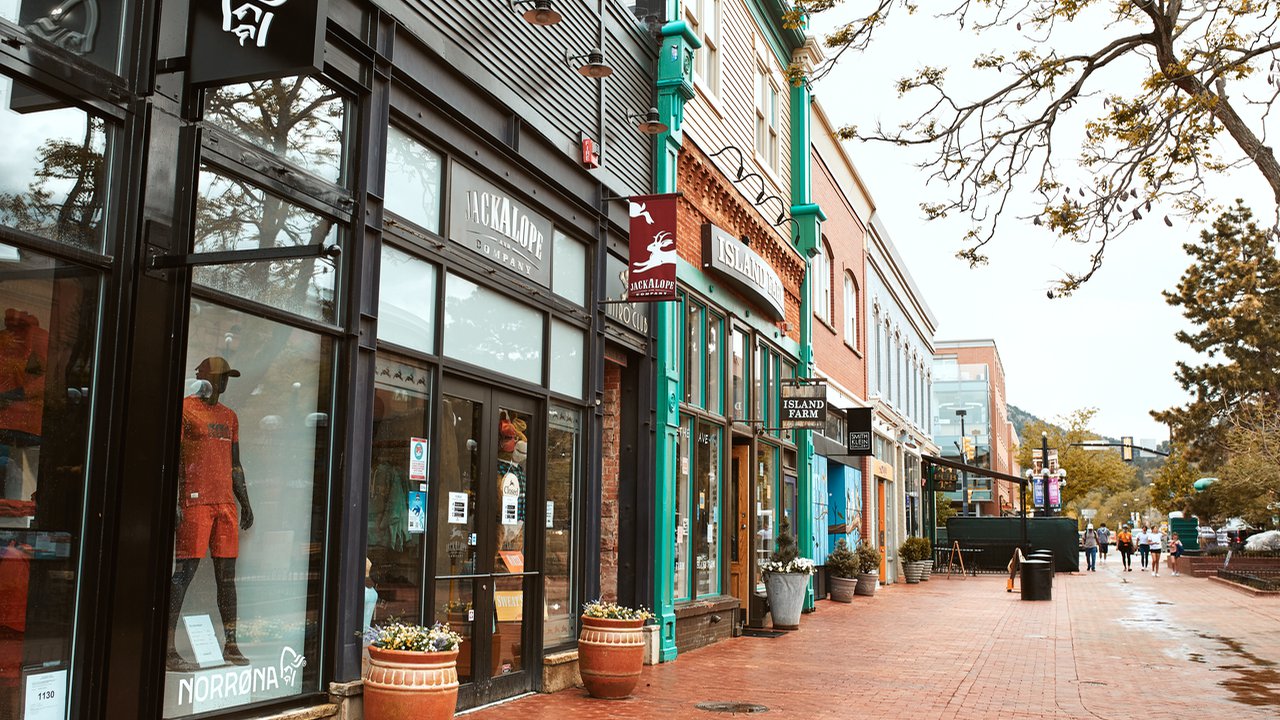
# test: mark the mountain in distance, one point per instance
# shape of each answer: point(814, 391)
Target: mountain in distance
point(1020, 418)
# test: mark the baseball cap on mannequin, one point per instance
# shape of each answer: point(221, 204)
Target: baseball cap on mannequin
point(215, 366)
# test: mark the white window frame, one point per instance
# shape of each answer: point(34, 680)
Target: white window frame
point(703, 17)
point(851, 311)
point(820, 286)
point(766, 117)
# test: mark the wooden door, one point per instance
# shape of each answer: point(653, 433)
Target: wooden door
point(739, 502)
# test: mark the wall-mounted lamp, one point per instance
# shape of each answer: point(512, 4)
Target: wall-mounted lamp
point(594, 66)
point(540, 12)
point(649, 124)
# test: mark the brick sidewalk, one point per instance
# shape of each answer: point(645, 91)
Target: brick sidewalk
point(1110, 645)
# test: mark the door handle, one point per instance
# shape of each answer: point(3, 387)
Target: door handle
point(484, 586)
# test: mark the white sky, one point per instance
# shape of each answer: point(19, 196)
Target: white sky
point(1109, 346)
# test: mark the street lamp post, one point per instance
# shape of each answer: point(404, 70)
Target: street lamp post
point(1044, 475)
point(964, 474)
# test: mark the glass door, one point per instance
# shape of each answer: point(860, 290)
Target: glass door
point(487, 527)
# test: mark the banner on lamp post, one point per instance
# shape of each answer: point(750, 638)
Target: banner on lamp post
point(652, 271)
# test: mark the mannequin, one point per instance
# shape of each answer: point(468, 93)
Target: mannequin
point(211, 482)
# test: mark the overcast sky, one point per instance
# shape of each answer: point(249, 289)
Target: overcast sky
point(1109, 346)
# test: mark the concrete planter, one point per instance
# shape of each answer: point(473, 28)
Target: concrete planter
point(841, 589)
point(786, 598)
point(867, 584)
point(926, 569)
point(403, 685)
point(911, 572)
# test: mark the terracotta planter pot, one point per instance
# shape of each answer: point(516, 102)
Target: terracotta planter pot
point(842, 589)
point(867, 584)
point(610, 656)
point(403, 685)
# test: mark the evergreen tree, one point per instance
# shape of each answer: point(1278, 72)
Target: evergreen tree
point(786, 549)
point(1231, 296)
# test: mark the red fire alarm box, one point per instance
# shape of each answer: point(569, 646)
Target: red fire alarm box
point(590, 152)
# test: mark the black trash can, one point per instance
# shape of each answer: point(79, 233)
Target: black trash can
point(1047, 556)
point(1037, 580)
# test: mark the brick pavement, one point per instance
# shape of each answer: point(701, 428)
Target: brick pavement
point(1110, 645)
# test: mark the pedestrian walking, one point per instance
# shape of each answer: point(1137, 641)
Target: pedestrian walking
point(1091, 548)
point(1143, 538)
point(1104, 539)
point(1154, 545)
point(1124, 543)
point(1175, 553)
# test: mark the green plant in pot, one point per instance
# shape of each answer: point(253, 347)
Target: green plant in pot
point(786, 577)
point(842, 567)
point(913, 553)
point(868, 559)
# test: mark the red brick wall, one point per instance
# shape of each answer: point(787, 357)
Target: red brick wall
point(610, 442)
point(846, 237)
point(710, 197)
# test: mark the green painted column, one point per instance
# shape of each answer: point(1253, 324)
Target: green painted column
point(808, 218)
point(675, 88)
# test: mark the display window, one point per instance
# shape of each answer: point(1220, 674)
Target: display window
point(47, 376)
point(766, 510)
point(253, 478)
point(698, 498)
point(92, 31)
point(564, 458)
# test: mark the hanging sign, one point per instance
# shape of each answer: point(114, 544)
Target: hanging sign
point(652, 276)
point(491, 223)
point(744, 269)
point(858, 439)
point(234, 41)
point(804, 407)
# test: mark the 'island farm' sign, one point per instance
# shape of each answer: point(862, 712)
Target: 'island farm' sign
point(489, 222)
point(804, 407)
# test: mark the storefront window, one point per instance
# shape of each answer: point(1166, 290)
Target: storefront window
point(567, 358)
point(398, 489)
point(707, 521)
point(693, 357)
point(54, 179)
point(487, 329)
point(299, 119)
point(407, 301)
point(569, 268)
point(715, 365)
point(759, 365)
point(47, 355)
point(232, 214)
point(564, 441)
point(766, 505)
point(412, 188)
point(248, 572)
point(89, 30)
point(739, 374)
point(684, 462)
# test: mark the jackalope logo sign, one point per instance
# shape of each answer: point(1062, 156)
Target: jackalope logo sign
point(652, 275)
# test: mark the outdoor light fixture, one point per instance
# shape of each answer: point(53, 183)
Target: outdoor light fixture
point(540, 13)
point(594, 66)
point(649, 123)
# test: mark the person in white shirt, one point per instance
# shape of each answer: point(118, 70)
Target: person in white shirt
point(1144, 546)
point(1154, 542)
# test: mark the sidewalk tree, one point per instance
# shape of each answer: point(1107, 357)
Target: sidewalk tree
point(1172, 488)
point(1087, 470)
point(1231, 296)
point(1139, 112)
point(1249, 480)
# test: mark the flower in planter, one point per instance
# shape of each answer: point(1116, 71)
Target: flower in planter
point(613, 611)
point(413, 638)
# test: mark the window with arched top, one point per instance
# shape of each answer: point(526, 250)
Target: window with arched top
point(851, 311)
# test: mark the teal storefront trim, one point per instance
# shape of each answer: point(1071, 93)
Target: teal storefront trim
point(693, 278)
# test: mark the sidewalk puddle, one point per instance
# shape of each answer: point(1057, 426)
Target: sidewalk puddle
point(1256, 684)
point(733, 708)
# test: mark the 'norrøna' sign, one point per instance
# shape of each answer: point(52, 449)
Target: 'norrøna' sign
point(489, 222)
point(744, 269)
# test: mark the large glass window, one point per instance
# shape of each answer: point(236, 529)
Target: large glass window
point(299, 119)
point(54, 169)
point(569, 268)
point(407, 300)
point(706, 489)
point(232, 214)
point(89, 30)
point(715, 363)
point(567, 358)
point(47, 384)
point(413, 180)
point(740, 366)
point(564, 448)
point(766, 505)
point(489, 329)
point(245, 595)
point(684, 467)
point(398, 489)
point(693, 357)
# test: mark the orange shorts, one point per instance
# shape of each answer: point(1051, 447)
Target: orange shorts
point(208, 527)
